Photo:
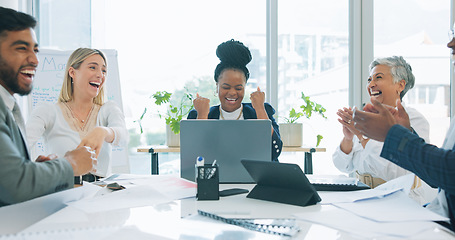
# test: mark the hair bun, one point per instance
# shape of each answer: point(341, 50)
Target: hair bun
point(233, 53)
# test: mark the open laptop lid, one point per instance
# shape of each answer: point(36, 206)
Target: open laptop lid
point(227, 141)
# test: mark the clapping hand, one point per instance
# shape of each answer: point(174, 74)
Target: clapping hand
point(377, 119)
point(345, 119)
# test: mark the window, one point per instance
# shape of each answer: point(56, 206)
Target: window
point(64, 25)
point(170, 45)
point(313, 58)
point(419, 34)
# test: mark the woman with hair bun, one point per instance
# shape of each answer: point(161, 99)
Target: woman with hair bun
point(231, 76)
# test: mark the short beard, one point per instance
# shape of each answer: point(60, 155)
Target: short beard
point(10, 79)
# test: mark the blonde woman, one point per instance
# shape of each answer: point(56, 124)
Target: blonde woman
point(81, 117)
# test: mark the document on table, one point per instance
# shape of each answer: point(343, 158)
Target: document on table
point(346, 221)
point(392, 215)
point(16, 217)
point(353, 196)
point(403, 183)
point(131, 197)
point(397, 207)
point(171, 186)
point(141, 191)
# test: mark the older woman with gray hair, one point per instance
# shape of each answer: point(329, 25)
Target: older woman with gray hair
point(390, 79)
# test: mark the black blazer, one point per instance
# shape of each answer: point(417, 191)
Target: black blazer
point(250, 113)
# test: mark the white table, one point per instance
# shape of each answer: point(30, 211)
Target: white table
point(179, 220)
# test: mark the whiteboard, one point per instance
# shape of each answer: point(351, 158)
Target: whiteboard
point(48, 82)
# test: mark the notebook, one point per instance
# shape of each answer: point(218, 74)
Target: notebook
point(282, 227)
point(227, 141)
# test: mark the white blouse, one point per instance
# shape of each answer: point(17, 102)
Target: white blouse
point(47, 121)
point(368, 160)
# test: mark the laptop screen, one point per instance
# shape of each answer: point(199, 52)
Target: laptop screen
point(227, 141)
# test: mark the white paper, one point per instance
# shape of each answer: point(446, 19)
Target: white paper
point(343, 220)
point(397, 207)
point(16, 217)
point(170, 186)
point(131, 197)
point(405, 182)
point(352, 196)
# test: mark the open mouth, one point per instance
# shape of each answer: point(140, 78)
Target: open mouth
point(29, 73)
point(95, 84)
point(376, 93)
point(231, 100)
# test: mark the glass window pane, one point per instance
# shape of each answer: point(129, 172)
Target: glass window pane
point(59, 28)
point(170, 46)
point(419, 34)
point(313, 59)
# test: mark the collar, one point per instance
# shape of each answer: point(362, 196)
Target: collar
point(7, 98)
point(235, 115)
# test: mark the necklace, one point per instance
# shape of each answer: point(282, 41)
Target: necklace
point(74, 115)
point(221, 113)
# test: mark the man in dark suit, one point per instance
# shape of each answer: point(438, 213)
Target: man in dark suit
point(20, 178)
point(402, 146)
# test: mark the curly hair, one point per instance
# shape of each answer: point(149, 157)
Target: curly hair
point(233, 55)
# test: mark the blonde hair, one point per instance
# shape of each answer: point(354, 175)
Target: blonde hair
point(75, 61)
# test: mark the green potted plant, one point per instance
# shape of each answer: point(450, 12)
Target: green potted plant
point(176, 110)
point(291, 131)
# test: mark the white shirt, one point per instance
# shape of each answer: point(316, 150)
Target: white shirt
point(368, 160)
point(47, 120)
point(10, 101)
point(7, 98)
point(235, 115)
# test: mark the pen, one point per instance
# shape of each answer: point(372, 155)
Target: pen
point(213, 170)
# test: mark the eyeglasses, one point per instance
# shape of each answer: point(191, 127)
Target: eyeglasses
point(451, 34)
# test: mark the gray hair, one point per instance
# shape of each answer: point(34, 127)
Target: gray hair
point(399, 69)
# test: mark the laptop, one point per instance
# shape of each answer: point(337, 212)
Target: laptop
point(227, 141)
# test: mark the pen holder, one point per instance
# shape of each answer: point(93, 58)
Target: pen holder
point(207, 178)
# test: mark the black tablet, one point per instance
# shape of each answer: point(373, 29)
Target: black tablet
point(280, 182)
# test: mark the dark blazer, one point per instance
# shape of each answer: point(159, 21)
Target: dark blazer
point(433, 165)
point(20, 178)
point(250, 113)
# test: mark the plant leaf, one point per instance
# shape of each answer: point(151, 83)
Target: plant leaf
point(161, 97)
point(319, 138)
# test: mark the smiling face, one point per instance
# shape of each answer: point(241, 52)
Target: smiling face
point(382, 87)
point(231, 89)
point(18, 60)
point(89, 78)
